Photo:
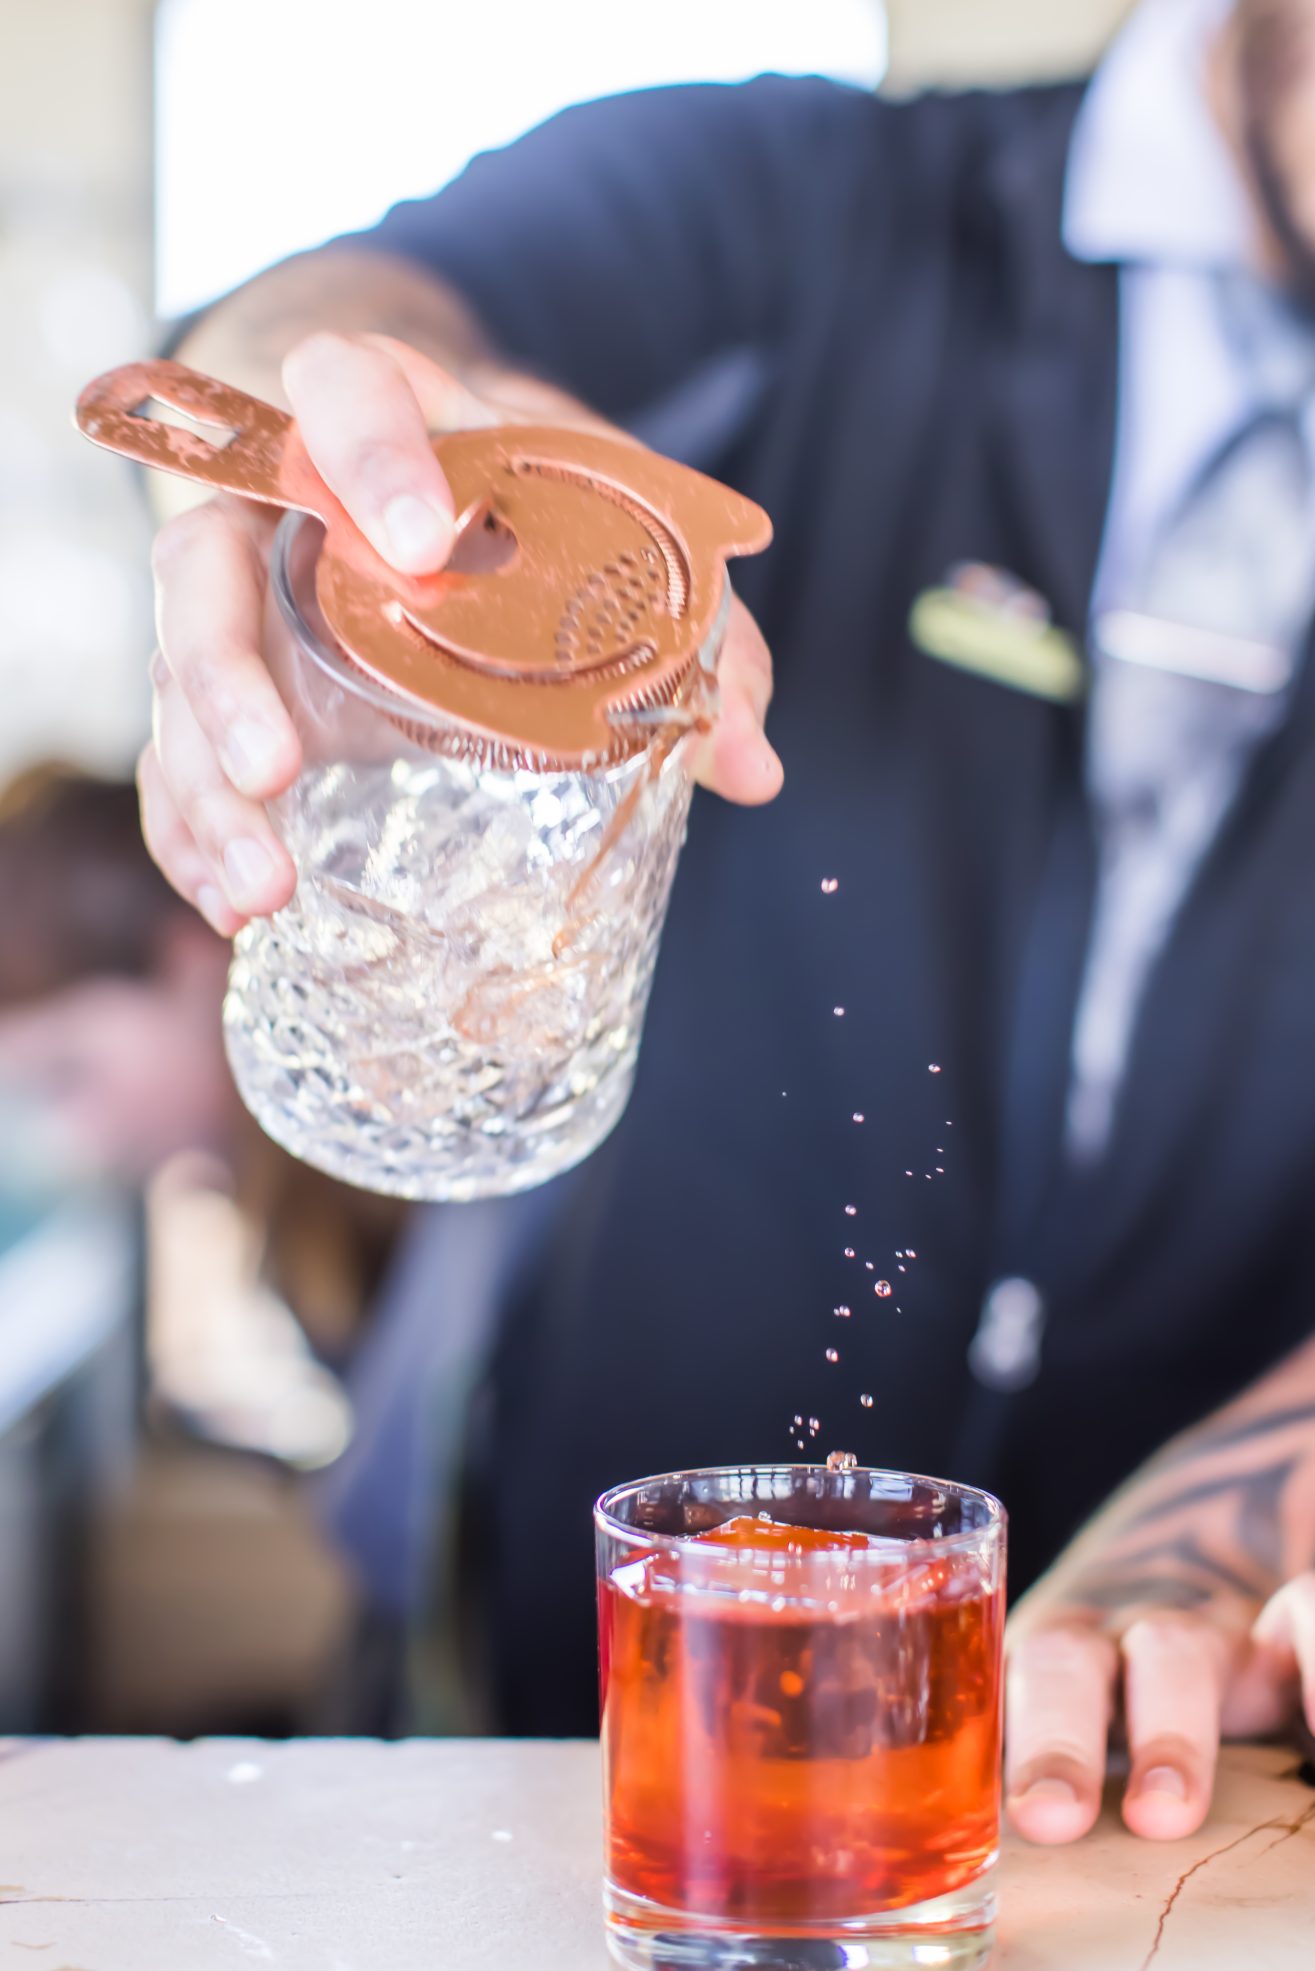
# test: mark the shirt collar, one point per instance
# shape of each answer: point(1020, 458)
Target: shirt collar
point(1149, 177)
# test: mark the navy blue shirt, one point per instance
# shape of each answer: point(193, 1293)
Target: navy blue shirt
point(861, 313)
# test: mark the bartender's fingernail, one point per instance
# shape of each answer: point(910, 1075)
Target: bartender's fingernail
point(1164, 1779)
point(418, 533)
point(1058, 1791)
point(248, 866)
point(757, 745)
point(250, 752)
point(214, 907)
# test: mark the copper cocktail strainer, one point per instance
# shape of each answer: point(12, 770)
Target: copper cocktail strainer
point(559, 650)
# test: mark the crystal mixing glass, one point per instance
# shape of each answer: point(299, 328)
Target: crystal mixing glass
point(493, 795)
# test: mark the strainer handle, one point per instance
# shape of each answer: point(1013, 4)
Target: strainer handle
point(263, 458)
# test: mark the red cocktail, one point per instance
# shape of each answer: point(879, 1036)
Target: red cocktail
point(801, 1717)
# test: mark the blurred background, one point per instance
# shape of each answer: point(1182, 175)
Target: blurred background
point(167, 1425)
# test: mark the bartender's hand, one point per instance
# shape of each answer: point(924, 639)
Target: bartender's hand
point(1182, 1680)
point(222, 743)
point(1164, 1617)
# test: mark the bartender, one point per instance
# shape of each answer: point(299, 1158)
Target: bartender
point(1026, 381)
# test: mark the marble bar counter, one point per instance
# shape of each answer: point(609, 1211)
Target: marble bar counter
point(350, 1855)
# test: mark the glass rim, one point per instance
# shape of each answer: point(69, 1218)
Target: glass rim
point(885, 1545)
point(331, 658)
point(328, 655)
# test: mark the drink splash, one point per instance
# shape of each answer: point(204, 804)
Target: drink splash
point(904, 1256)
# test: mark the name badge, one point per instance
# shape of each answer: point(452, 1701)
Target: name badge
point(986, 621)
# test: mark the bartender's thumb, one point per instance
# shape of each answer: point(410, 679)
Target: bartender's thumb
point(736, 759)
point(364, 428)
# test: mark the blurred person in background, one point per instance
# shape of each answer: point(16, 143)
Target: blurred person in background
point(109, 995)
point(112, 1062)
point(1027, 382)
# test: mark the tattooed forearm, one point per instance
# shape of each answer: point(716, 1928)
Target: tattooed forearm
point(1220, 1436)
point(1196, 1573)
point(1101, 1591)
point(1226, 1512)
point(1256, 1502)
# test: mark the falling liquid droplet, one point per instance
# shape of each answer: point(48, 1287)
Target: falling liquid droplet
point(940, 1170)
point(849, 1252)
point(842, 1312)
point(830, 884)
point(833, 1355)
point(839, 1012)
point(908, 1173)
point(814, 1425)
point(910, 1254)
point(851, 1211)
point(932, 1068)
point(883, 1289)
point(798, 1423)
point(868, 1263)
point(866, 1401)
point(857, 1117)
point(903, 1268)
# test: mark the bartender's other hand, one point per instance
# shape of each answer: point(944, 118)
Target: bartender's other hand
point(1182, 1680)
point(222, 742)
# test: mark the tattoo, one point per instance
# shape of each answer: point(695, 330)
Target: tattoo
point(1226, 1513)
point(1258, 1497)
point(1183, 1559)
point(1221, 1439)
point(1110, 1591)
